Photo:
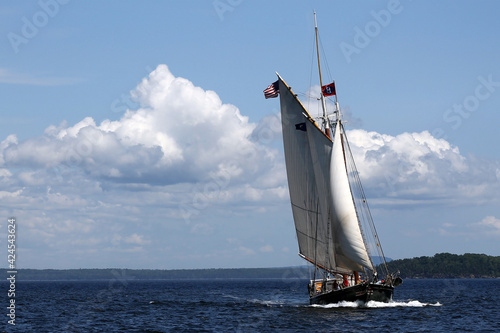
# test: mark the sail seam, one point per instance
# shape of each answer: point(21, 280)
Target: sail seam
point(305, 209)
point(309, 237)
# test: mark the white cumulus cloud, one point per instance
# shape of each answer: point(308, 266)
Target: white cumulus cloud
point(418, 166)
point(489, 223)
point(180, 133)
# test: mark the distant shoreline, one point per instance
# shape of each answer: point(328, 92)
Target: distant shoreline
point(104, 274)
point(233, 274)
point(440, 266)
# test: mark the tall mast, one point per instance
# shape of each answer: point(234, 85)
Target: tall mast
point(325, 116)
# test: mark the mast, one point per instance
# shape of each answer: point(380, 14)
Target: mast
point(328, 230)
point(326, 123)
point(355, 228)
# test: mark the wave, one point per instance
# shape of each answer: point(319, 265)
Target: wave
point(374, 304)
point(267, 303)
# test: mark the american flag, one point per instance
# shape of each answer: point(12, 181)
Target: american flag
point(272, 91)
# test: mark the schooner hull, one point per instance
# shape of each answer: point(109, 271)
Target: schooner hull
point(364, 292)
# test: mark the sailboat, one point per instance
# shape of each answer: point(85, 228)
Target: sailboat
point(334, 226)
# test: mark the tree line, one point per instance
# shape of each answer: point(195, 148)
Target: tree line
point(447, 265)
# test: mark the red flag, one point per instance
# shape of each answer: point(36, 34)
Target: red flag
point(329, 89)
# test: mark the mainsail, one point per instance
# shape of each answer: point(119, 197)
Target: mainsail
point(326, 222)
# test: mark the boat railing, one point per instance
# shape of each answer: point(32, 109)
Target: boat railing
point(321, 286)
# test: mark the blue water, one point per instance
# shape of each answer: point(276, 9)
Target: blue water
point(119, 305)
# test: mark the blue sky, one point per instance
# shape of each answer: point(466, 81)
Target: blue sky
point(135, 134)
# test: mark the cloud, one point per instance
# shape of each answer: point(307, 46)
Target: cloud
point(181, 133)
point(136, 239)
point(489, 224)
point(266, 248)
point(246, 250)
point(202, 229)
point(419, 168)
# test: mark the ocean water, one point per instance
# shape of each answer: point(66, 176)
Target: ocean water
point(280, 305)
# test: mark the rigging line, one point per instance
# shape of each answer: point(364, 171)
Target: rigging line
point(327, 66)
point(325, 59)
point(309, 96)
point(361, 208)
point(347, 160)
point(370, 220)
point(371, 225)
point(314, 110)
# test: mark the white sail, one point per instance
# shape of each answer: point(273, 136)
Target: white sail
point(307, 179)
point(326, 223)
point(351, 249)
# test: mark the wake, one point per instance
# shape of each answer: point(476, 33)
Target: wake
point(374, 305)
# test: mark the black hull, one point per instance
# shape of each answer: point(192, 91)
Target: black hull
point(364, 292)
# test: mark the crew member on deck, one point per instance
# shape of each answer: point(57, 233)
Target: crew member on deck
point(346, 282)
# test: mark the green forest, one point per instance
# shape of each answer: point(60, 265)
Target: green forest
point(447, 265)
point(442, 265)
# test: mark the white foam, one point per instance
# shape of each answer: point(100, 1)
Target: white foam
point(342, 304)
point(393, 304)
point(374, 304)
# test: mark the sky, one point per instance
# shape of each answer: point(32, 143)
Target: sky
point(136, 134)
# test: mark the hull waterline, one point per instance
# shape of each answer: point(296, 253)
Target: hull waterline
point(364, 292)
